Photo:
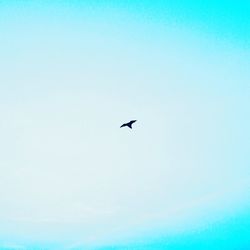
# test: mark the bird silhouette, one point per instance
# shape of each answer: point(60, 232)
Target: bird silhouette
point(129, 124)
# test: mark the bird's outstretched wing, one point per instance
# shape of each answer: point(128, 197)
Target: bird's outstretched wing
point(133, 121)
point(124, 125)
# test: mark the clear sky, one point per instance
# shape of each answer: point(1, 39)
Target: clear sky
point(72, 72)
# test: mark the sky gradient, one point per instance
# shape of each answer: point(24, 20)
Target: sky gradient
point(72, 72)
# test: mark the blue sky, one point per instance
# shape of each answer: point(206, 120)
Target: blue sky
point(72, 72)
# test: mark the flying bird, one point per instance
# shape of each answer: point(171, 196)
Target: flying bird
point(129, 124)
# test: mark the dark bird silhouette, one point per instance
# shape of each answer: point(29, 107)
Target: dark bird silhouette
point(129, 124)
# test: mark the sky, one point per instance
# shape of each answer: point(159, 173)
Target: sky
point(72, 72)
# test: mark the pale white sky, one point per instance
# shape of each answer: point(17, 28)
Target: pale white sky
point(69, 173)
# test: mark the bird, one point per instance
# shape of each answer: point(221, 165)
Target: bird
point(129, 124)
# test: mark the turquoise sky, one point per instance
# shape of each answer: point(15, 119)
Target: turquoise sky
point(72, 72)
